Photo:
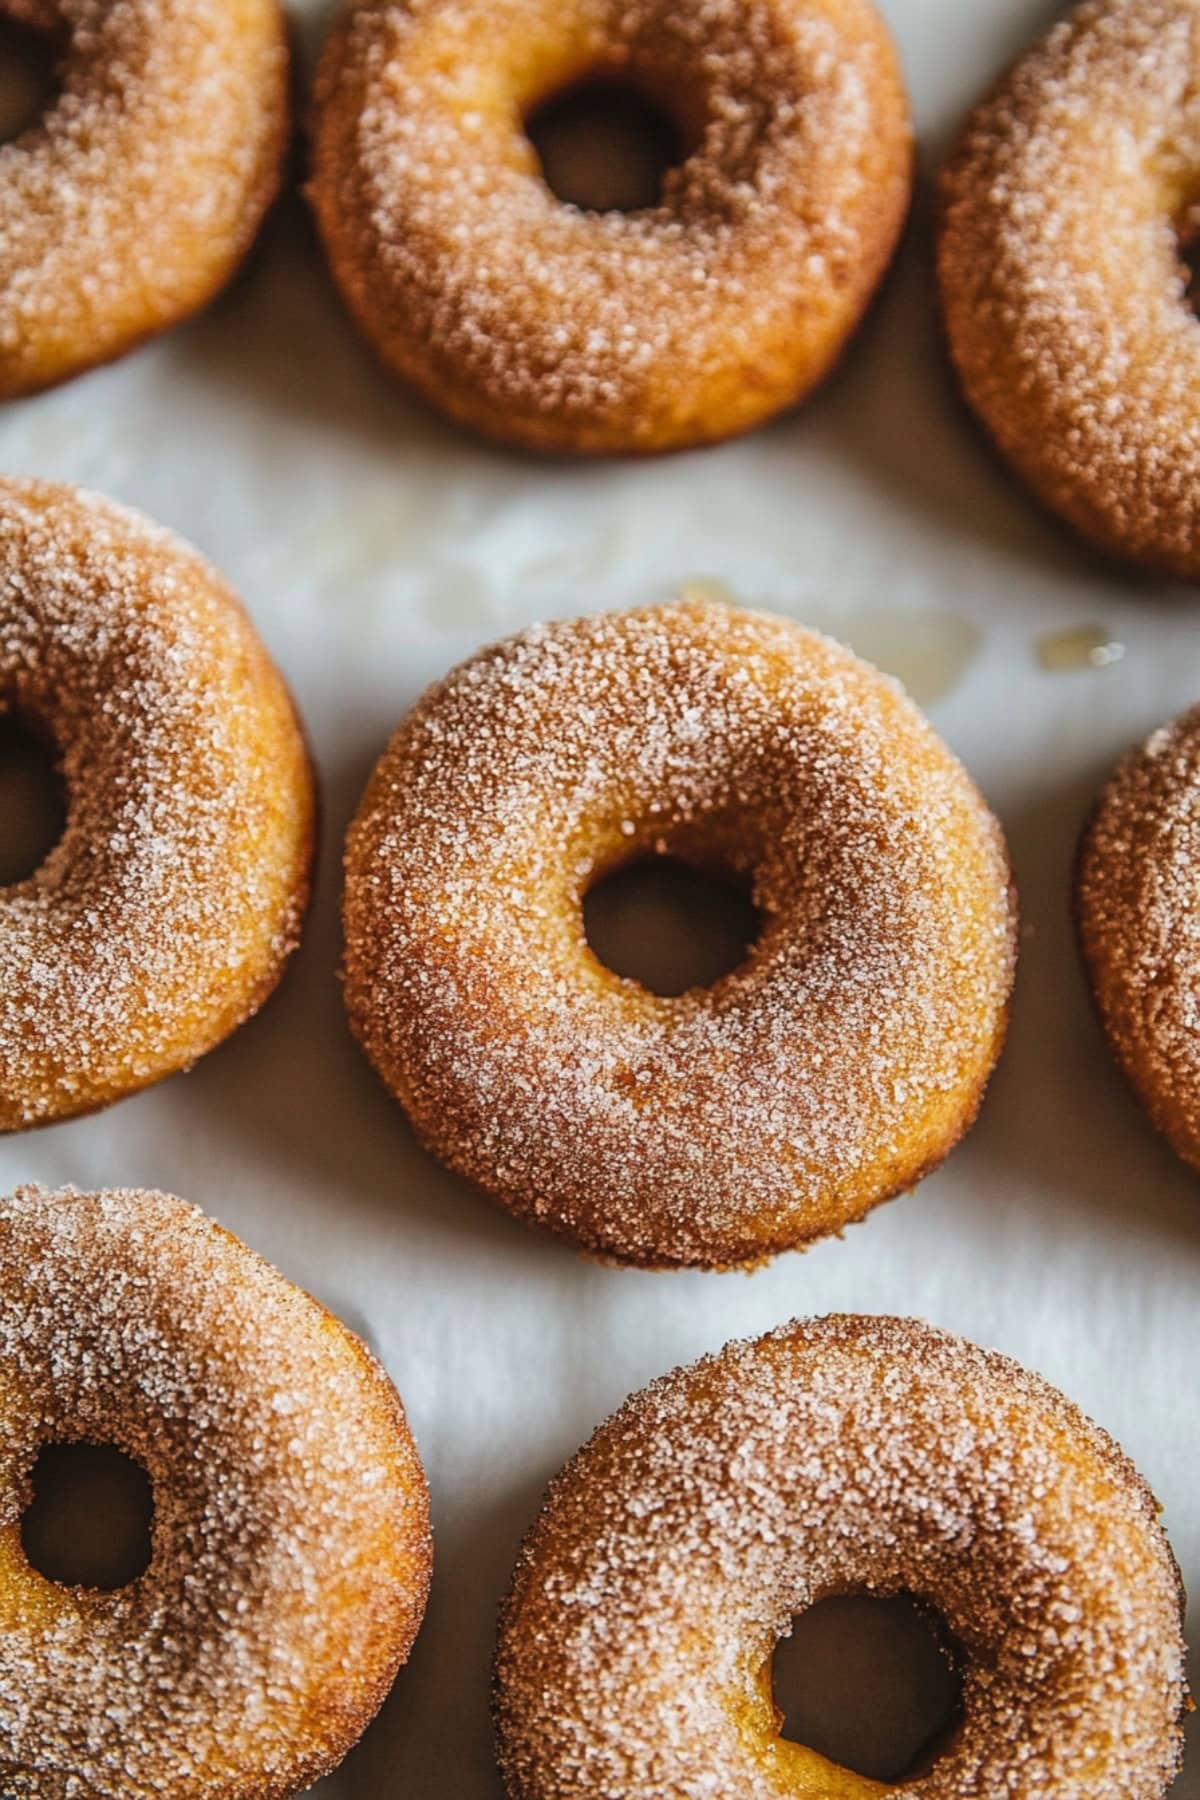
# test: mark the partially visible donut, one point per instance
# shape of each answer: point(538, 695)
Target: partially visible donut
point(129, 204)
point(842, 1060)
point(164, 916)
point(290, 1539)
point(1064, 214)
point(1137, 910)
point(838, 1456)
point(559, 329)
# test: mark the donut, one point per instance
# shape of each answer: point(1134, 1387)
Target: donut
point(838, 1456)
point(843, 1058)
point(559, 329)
point(1065, 211)
point(290, 1552)
point(165, 914)
point(1137, 914)
point(130, 202)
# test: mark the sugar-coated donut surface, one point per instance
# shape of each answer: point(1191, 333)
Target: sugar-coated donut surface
point(290, 1539)
point(1137, 904)
point(165, 914)
point(841, 1455)
point(563, 329)
point(1064, 288)
point(839, 1062)
point(132, 201)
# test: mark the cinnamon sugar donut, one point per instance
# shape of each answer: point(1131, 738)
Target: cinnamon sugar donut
point(132, 200)
point(838, 1064)
point(830, 1457)
point(559, 329)
point(1063, 284)
point(165, 914)
point(290, 1540)
point(1137, 908)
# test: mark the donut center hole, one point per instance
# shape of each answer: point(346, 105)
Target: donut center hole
point(868, 1684)
point(1189, 255)
point(605, 145)
point(669, 925)
point(28, 77)
point(33, 802)
point(89, 1522)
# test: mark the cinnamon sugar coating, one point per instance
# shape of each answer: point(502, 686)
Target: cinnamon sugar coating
point(834, 1456)
point(164, 916)
point(290, 1540)
point(565, 330)
point(1063, 285)
point(131, 202)
point(1137, 909)
point(837, 1064)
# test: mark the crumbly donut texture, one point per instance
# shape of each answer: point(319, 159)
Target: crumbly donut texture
point(1137, 908)
point(841, 1455)
point(1063, 286)
point(132, 201)
point(290, 1540)
point(839, 1062)
point(561, 329)
point(165, 914)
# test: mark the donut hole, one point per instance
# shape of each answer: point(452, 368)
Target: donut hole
point(28, 77)
point(90, 1519)
point(1188, 234)
point(605, 145)
point(669, 924)
point(33, 802)
point(868, 1683)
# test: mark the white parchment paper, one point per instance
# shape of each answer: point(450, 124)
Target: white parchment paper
point(375, 546)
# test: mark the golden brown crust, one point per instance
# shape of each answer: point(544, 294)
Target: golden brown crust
point(120, 222)
point(1063, 288)
point(838, 1064)
point(291, 1552)
point(840, 1455)
point(168, 910)
point(562, 330)
point(1137, 905)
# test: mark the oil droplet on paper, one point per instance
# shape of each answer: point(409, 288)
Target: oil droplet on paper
point(701, 588)
point(928, 652)
point(1079, 647)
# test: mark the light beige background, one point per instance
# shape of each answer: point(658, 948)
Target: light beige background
point(376, 546)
